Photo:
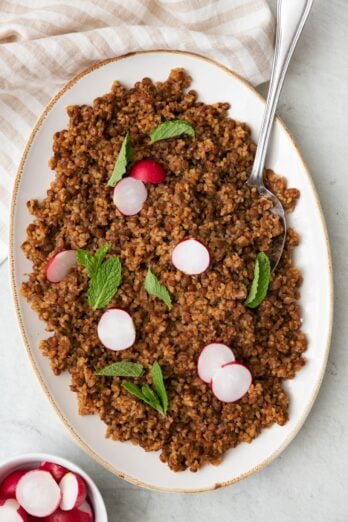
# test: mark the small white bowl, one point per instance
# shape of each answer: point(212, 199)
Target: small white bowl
point(33, 460)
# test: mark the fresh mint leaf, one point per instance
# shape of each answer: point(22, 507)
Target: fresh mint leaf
point(122, 369)
point(154, 287)
point(171, 129)
point(137, 392)
point(158, 382)
point(151, 396)
point(262, 277)
point(124, 156)
point(105, 283)
point(90, 262)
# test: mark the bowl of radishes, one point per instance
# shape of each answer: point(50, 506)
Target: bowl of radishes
point(39, 487)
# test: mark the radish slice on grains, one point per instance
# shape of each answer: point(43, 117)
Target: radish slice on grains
point(148, 171)
point(56, 470)
point(11, 511)
point(38, 493)
point(59, 265)
point(116, 329)
point(191, 257)
point(231, 382)
point(212, 357)
point(129, 196)
point(8, 486)
point(74, 491)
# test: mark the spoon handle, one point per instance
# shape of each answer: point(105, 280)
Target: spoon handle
point(291, 17)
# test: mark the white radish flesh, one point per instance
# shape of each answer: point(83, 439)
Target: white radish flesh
point(59, 265)
point(56, 470)
point(191, 257)
point(212, 357)
point(74, 491)
point(11, 511)
point(129, 196)
point(38, 493)
point(116, 329)
point(8, 486)
point(231, 382)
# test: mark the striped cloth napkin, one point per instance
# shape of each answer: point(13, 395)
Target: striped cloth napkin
point(43, 43)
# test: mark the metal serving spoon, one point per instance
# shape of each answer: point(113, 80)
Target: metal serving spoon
point(291, 17)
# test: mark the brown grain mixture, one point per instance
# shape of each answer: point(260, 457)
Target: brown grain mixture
point(204, 196)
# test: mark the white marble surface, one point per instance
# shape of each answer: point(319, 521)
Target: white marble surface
point(308, 482)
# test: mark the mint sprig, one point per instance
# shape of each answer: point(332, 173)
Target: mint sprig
point(104, 283)
point(155, 288)
point(171, 129)
point(90, 262)
point(124, 156)
point(262, 277)
point(122, 369)
point(158, 398)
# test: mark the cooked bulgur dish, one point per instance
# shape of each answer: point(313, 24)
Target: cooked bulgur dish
point(146, 252)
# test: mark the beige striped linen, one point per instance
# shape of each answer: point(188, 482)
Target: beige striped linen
point(43, 43)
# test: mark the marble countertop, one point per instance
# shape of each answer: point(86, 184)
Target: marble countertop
point(308, 482)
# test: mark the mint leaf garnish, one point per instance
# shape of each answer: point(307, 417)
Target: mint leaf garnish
point(157, 378)
point(171, 129)
point(262, 277)
point(157, 398)
point(90, 262)
point(154, 287)
point(122, 160)
point(122, 369)
point(105, 283)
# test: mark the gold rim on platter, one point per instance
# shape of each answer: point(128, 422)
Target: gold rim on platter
point(67, 424)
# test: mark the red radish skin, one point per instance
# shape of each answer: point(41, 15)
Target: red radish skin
point(56, 470)
point(129, 196)
point(74, 491)
point(148, 171)
point(11, 511)
point(8, 486)
point(191, 256)
point(212, 357)
point(87, 511)
point(74, 515)
point(116, 330)
point(38, 493)
point(59, 265)
point(231, 382)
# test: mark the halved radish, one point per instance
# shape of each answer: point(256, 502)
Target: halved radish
point(56, 470)
point(38, 493)
point(87, 511)
point(11, 511)
point(75, 515)
point(211, 358)
point(116, 329)
point(59, 265)
point(231, 382)
point(148, 171)
point(74, 491)
point(8, 486)
point(129, 196)
point(191, 257)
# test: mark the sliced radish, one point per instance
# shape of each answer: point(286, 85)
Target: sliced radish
point(56, 470)
point(59, 265)
point(191, 257)
point(8, 486)
point(129, 196)
point(38, 493)
point(231, 382)
point(212, 357)
point(74, 491)
point(116, 329)
point(148, 171)
point(11, 511)
point(74, 515)
point(87, 510)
